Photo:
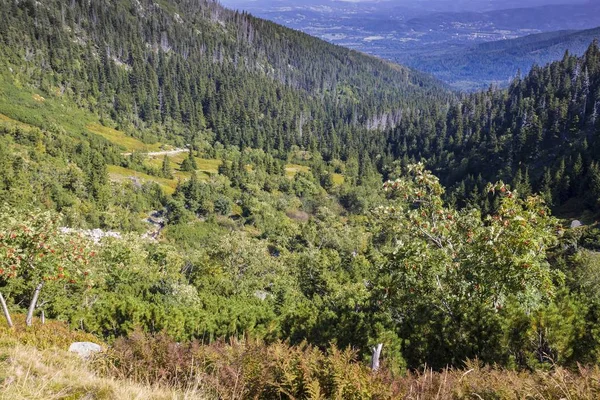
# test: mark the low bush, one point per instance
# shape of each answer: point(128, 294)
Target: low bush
point(52, 334)
point(249, 369)
point(246, 369)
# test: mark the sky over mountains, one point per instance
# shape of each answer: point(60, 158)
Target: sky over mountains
point(425, 5)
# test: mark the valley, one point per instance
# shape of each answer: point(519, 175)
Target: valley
point(325, 224)
point(423, 36)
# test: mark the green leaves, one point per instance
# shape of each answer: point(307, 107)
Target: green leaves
point(35, 254)
point(443, 266)
point(460, 255)
point(33, 249)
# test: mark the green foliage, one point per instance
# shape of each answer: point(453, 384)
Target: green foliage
point(265, 244)
point(189, 164)
point(33, 253)
point(455, 268)
point(460, 254)
point(166, 168)
point(222, 205)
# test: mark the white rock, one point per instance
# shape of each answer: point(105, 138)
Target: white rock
point(576, 224)
point(85, 349)
point(262, 295)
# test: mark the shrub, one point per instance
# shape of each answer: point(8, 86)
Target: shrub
point(223, 205)
point(246, 369)
point(52, 334)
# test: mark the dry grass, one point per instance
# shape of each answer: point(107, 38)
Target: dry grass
point(34, 364)
point(145, 367)
point(52, 334)
point(475, 382)
point(251, 369)
point(28, 373)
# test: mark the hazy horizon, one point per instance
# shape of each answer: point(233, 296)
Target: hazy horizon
point(424, 5)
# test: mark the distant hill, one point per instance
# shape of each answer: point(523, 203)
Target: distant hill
point(541, 19)
point(441, 36)
point(475, 67)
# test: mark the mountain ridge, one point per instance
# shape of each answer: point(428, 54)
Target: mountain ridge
point(478, 66)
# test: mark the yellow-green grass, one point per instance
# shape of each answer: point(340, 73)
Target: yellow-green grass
point(121, 139)
point(338, 179)
point(43, 110)
point(176, 159)
point(206, 167)
point(8, 121)
point(209, 165)
point(292, 169)
point(33, 108)
point(121, 174)
point(185, 175)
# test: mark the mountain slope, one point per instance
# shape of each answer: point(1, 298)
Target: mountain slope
point(273, 225)
point(540, 134)
point(542, 18)
point(497, 62)
point(185, 69)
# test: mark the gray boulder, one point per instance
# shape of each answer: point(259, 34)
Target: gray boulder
point(576, 224)
point(85, 349)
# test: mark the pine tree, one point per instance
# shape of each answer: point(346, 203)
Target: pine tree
point(166, 168)
point(189, 164)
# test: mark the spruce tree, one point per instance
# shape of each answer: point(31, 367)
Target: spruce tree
point(166, 168)
point(189, 164)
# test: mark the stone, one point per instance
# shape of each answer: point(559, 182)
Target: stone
point(576, 224)
point(262, 295)
point(85, 349)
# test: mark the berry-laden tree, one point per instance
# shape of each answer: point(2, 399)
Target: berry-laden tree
point(451, 261)
point(34, 254)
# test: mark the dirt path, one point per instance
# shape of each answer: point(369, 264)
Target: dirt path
point(161, 153)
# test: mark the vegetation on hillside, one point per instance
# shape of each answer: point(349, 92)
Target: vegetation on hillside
point(474, 67)
point(270, 230)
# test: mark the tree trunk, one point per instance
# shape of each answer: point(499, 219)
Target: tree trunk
point(43, 317)
point(5, 310)
point(376, 355)
point(33, 303)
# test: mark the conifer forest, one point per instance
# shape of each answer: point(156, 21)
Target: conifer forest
point(233, 209)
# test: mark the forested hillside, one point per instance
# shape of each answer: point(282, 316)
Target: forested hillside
point(197, 70)
point(540, 135)
point(204, 191)
point(469, 67)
